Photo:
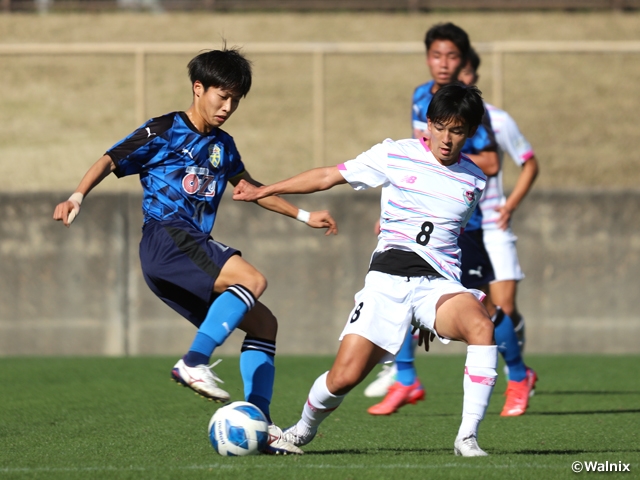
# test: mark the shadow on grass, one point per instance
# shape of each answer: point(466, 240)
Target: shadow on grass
point(563, 452)
point(586, 412)
point(375, 451)
point(587, 392)
point(446, 451)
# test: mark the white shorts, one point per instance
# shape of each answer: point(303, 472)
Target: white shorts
point(501, 247)
point(389, 304)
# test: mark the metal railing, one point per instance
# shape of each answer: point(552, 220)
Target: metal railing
point(318, 51)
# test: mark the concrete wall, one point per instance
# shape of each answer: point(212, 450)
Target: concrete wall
point(79, 291)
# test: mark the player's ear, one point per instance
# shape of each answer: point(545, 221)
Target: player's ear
point(472, 131)
point(198, 88)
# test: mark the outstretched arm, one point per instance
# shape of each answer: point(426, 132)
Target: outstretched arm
point(317, 219)
point(314, 180)
point(67, 211)
point(525, 180)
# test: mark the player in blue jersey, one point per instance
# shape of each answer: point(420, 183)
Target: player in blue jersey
point(448, 49)
point(184, 161)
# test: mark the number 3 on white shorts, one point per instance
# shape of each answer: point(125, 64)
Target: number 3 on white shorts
point(356, 313)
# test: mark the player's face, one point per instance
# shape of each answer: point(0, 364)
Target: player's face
point(216, 105)
point(447, 139)
point(444, 60)
point(468, 75)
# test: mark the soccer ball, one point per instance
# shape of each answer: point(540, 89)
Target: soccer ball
point(238, 429)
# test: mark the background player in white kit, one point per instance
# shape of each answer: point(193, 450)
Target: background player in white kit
point(499, 239)
point(429, 191)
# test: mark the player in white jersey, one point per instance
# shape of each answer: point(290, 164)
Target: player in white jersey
point(447, 48)
point(429, 190)
point(499, 239)
point(500, 244)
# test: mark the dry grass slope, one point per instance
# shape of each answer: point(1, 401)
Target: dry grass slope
point(61, 112)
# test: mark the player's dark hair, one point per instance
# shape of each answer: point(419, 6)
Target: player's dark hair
point(457, 101)
point(227, 69)
point(451, 32)
point(474, 59)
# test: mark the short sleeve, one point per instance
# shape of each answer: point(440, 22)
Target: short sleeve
point(367, 170)
point(513, 142)
point(132, 152)
point(236, 166)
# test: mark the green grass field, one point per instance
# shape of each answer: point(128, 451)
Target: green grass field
point(121, 418)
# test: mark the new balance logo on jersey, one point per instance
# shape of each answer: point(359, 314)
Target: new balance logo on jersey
point(408, 179)
point(477, 272)
point(149, 133)
point(188, 152)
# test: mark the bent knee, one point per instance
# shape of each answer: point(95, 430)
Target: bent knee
point(480, 331)
point(508, 308)
point(255, 282)
point(260, 284)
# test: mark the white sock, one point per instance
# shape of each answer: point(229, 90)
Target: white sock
point(319, 406)
point(479, 378)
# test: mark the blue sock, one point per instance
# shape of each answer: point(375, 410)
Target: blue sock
point(507, 342)
point(258, 372)
point(404, 362)
point(224, 315)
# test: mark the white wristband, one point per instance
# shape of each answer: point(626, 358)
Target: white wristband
point(76, 198)
point(303, 216)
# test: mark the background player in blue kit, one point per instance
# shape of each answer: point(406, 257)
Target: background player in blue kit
point(184, 161)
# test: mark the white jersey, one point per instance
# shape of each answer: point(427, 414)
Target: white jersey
point(424, 205)
point(511, 141)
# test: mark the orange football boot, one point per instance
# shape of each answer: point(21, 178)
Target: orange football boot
point(398, 396)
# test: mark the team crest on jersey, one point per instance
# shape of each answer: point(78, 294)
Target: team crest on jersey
point(215, 154)
point(469, 196)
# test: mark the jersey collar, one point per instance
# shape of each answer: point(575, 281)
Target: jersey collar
point(423, 141)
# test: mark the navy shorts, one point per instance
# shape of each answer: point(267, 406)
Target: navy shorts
point(476, 265)
point(180, 264)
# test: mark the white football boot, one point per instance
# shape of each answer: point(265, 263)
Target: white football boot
point(380, 386)
point(201, 379)
point(468, 447)
point(295, 436)
point(279, 443)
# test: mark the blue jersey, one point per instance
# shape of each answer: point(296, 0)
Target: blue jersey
point(483, 139)
point(422, 96)
point(183, 172)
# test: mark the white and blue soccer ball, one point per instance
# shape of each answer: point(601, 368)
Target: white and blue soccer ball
point(239, 428)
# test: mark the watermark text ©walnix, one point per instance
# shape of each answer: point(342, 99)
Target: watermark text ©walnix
point(607, 466)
